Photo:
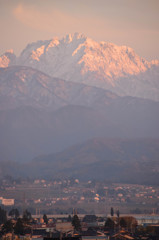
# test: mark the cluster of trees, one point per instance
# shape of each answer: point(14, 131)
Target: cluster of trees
point(20, 225)
point(14, 213)
point(111, 224)
point(127, 222)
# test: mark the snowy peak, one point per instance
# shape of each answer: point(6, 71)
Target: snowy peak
point(36, 50)
point(74, 38)
point(8, 58)
point(85, 55)
point(112, 61)
point(77, 58)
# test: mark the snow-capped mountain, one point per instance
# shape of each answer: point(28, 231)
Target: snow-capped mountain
point(7, 59)
point(77, 58)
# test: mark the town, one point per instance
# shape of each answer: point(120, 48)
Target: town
point(68, 209)
point(77, 226)
point(92, 197)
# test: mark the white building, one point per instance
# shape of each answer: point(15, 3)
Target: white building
point(6, 202)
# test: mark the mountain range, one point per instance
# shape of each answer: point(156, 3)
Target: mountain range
point(63, 92)
point(40, 114)
point(77, 58)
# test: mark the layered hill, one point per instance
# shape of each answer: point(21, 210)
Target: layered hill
point(128, 161)
point(40, 114)
point(133, 161)
point(77, 58)
point(25, 86)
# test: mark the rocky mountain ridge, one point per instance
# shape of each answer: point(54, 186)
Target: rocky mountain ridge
point(77, 58)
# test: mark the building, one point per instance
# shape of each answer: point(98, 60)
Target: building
point(6, 202)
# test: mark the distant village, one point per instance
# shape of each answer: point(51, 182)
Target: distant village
point(91, 197)
point(70, 209)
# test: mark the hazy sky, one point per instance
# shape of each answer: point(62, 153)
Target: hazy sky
point(134, 23)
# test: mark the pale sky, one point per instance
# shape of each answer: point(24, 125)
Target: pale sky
point(134, 23)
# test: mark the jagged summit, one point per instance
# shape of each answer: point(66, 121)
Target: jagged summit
point(74, 37)
point(77, 58)
point(106, 59)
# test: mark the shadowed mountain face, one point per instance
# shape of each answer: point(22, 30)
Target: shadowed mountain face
point(128, 161)
point(134, 161)
point(40, 114)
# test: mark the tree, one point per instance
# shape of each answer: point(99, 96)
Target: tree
point(90, 218)
point(27, 216)
point(131, 223)
point(45, 218)
point(112, 211)
point(118, 213)
point(123, 223)
point(19, 227)
point(14, 213)
point(7, 227)
point(3, 216)
point(109, 224)
point(69, 218)
point(118, 220)
point(76, 223)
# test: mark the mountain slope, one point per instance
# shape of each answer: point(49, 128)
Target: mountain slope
point(133, 161)
point(105, 65)
point(114, 160)
point(26, 132)
point(40, 114)
point(25, 86)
